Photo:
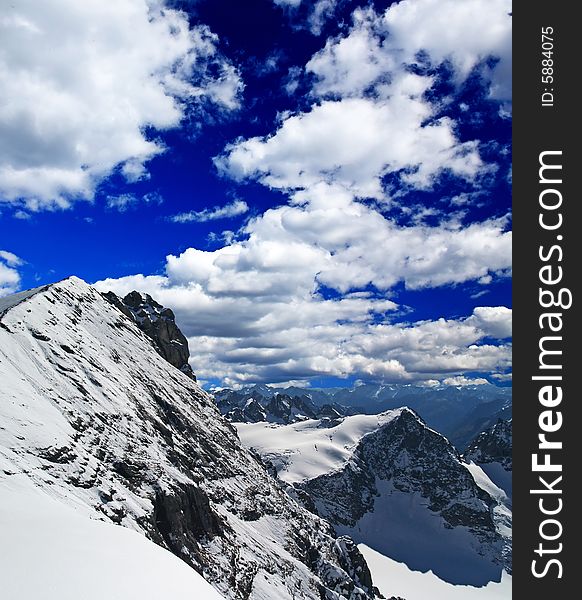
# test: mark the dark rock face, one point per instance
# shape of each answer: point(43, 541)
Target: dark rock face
point(391, 466)
point(417, 460)
point(159, 324)
point(181, 518)
point(350, 558)
point(252, 412)
point(493, 446)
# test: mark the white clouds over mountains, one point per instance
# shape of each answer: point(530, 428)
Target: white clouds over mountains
point(81, 81)
point(282, 332)
point(305, 289)
point(255, 310)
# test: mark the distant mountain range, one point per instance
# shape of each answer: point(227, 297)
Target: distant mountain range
point(458, 412)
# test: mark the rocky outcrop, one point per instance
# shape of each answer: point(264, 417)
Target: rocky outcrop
point(416, 460)
point(159, 324)
point(493, 445)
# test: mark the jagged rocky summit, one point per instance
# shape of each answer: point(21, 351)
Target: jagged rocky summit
point(279, 408)
point(493, 445)
point(159, 324)
point(95, 418)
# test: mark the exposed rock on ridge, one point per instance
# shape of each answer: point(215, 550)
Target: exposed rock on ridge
point(278, 408)
point(404, 472)
point(493, 446)
point(159, 324)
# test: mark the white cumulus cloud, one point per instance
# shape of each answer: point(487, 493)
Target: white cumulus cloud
point(9, 275)
point(81, 81)
point(370, 115)
point(255, 309)
point(496, 321)
point(244, 338)
point(464, 33)
point(355, 142)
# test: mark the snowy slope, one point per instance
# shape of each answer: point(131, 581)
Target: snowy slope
point(92, 415)
point(52, 552)
point(458, 412)
point(492, 451)
point(302, 451)
point(392, 483)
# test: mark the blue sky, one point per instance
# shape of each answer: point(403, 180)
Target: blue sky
point(320, 189)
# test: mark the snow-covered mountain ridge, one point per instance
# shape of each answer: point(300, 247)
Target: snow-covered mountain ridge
point(95, 418)
point(458, 412)
point(396, 485)
point(305, 450)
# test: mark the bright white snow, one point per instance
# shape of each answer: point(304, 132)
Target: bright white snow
point(395, 579)
point(311, 448)
point(482, 476)
point(52, 552)
point(499, 476)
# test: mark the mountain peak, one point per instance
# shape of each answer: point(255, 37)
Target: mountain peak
point(95, 419)
point(159, 324)
point(70, 284)
point(156, 321)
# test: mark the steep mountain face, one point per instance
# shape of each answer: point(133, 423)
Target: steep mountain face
point(482, 417)
point(254, 407)
point(96, 419)
point(459, 413)
point(493, 445)
point(397, 486)
point(491, 450)
point(159, 324)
